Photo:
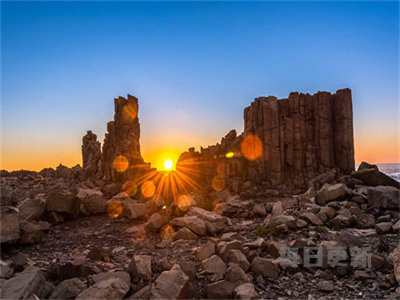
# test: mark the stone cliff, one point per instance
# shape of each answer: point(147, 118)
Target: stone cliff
point(287, 141)
point(120, 158)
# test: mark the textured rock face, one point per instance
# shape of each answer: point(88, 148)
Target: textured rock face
point(91, 154)
point(286, 141)
point(121, 148)
point(120, 158)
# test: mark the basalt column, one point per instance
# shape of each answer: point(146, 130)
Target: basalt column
point(303, 135)
point(91, 155)
point(121, 158)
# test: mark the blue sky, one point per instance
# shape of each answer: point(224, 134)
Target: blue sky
point(194, 67)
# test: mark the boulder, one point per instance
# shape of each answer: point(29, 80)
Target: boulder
point(311, 218)
point(155, 223)
point(340, 221)
point(112, 288)
point(287, 264)
point(365, 220)
point(330, 212)
point(107, 275)
point(184, 234)
point(32, 209)
point(371, 176)
point(63, 202)
point(214, 265)
point(133, 210)
point(194, 223)
point(220, 290)
point(171, 284)
point(204, 251)
point(26, 284)
point(224, 247)
point(238, 257)
point(32, 232)
point(274, 248)
point(68, 289)
point(95, 204)
point(67, 270)
point(236, 275)
point(275, 221)
point(384, 197)
point(245, 291)
point(140, 267)
point(218, 222)
point(330, 193)
point(86, 192)
point(143, 293)
point(10, 230)
point(265, 267)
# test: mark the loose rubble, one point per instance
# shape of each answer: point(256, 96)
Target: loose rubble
point(80, 233)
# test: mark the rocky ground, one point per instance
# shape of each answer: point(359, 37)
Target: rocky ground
point(63, 237)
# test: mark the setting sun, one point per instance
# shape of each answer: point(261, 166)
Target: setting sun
point(168, 164)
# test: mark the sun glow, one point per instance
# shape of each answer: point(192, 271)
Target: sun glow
point(168, 164)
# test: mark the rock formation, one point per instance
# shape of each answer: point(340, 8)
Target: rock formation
point(120, 159)
point(91, 154)
point(287, 141)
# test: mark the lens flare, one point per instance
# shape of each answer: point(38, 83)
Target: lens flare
point(114, 208)
point(168, 164)
point(218, 183)
point(184, 202)
point(148, 189)
point(229, 155)
point(251, 147)
point(121, 163)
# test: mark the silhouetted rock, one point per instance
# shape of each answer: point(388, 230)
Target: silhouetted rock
point(91, 154)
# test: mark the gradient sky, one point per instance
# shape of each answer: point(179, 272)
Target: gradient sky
point(194, 67)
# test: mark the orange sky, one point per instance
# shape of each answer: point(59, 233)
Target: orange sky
point(379, 149)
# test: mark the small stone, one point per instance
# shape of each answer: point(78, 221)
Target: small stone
point(112, 288)
point(289, 221)
point(383, 227)
point(311, 218)
point(238, 257)
point(236, 275)
point(184, 234)
point(259, 210)
point(330, 193)
point(204, 251)
point(220, 290)
point(214, 265)
point(140, 267)
point(193, 223)
point(68, 289)
point(245, 291)
point(264, 267)
point(155, 223)
point(326, 286)
point(277, 208)
point(171, 284)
